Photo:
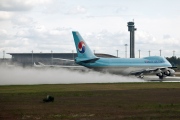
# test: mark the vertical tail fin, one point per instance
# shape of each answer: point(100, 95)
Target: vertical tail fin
point(83, 50)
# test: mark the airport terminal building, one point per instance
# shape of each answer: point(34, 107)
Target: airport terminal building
point(28, 59)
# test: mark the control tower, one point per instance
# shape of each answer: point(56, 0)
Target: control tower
point(132, 45)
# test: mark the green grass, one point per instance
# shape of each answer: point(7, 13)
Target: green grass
point(85, 87)
point(91, 101)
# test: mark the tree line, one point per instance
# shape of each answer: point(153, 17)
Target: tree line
point(175, 61)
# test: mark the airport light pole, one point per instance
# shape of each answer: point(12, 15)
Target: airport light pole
point(149, 52)
point(73, 56)
point(3, 54)
point(173, 53)
point(32, 58)
point(160, 52)
point(117, 53)
point(139, 53)
point(125, 50)
point(51, 57)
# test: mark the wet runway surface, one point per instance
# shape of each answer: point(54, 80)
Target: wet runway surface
point(166, 79)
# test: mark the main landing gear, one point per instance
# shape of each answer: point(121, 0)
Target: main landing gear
point(140, 76)
point(160, 75)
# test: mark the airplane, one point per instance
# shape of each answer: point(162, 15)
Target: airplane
point(126, 66)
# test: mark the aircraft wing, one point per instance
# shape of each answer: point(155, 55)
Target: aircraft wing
point(147, 70)
point(160, 71)
point(57, 66)
point(140, 72)
point(63, 59)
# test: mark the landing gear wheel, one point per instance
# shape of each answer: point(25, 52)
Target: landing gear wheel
point(142, 76)
point(161, 77)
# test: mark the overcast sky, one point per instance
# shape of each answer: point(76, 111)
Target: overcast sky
point(45, 25)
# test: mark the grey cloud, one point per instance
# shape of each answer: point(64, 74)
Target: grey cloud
point(15, 5)
point(121, 9)
point(23, 21)
point(166, 36)
point(107, 39)
point(5, 15)
point(107, 42)
point(3, 34)
point(31, 35)
point(144, 38)
point(77, 10)
point(43, 39)
point(20, 5)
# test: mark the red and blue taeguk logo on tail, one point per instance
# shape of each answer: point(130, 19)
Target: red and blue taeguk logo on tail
point(81, 47)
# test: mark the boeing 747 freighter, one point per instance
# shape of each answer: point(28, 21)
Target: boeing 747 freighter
point(126, 66)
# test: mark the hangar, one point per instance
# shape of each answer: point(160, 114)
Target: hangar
point(28, 59)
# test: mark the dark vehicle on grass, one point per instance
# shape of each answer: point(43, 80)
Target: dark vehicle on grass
point(48, 99)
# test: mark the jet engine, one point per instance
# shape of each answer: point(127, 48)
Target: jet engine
point(160, 74)
point(169, 72)
point(165, 72)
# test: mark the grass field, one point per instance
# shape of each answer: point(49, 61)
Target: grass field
point(91, 101)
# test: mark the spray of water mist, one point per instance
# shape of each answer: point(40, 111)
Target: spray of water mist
point(28, 76)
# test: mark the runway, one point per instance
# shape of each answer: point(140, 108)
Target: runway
point(166, 79)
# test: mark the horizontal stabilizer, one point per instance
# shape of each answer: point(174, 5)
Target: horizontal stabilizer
point(86, 60)
point(63, 59)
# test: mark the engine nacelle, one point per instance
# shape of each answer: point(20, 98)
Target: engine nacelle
point(159, 72)
point(169, 72)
